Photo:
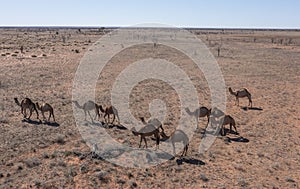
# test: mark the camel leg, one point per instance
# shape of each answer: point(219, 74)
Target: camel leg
point(234, 128)
point(30, 114)
point(43, 115)
point(53, 116)
point(90, 116)
point(145, 142)
point(113, 118)
point(173, 145)
point(84, 115)
point(24, 112)
point(49, 116)
point(184, 151)
point(237, 101)
point(157, 140)
point(141, 142)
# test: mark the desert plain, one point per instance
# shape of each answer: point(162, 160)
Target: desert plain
point(37, 154)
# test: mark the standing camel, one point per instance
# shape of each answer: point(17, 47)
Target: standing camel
point(241, 94)
point(109, 110)
point(228, 120)
point(25, 104)
point(176, 137)
point(147, 130)
point(199, 112)
point(87, 107)
point(45, 107)
point(153, 121)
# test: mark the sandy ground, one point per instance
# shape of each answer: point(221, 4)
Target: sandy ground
point(35, 155)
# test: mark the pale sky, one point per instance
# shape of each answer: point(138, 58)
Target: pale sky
point(180, 13)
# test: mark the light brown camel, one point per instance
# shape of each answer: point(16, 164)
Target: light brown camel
point(199, 112)
point(176, 137)
point(241, 94)
point(228, 120)
point(147, 130)
point(110, 110)
point(153, 121)
point(87, 107)
point(45, 107)
point(25, 104)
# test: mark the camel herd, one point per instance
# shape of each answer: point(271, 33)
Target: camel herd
point(152, 127)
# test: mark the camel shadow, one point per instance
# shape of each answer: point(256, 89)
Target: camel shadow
point(245, 108)
point(227, 131)
point(238, 139)
point(192, 161)
point(52, 124)
point(121, 127)
point(33, 122)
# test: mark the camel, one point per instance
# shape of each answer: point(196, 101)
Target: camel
point(241, 94)
point(178, 136)
point(228, 120)
point(153, 121)
point(87, 107)
point(45, 107)
point(147, 130)
point(25, 104)
point(199, 112)
point(110, 110)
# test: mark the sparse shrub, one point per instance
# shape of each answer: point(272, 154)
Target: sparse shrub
point(45, 156)
point(44, 55)
point(76, 51)
point(14, 55)
point(83, 168)
point(33, 56)
point(32, 162)
point(61, 163)
point(71, 172)
point(60, 139)
point(203, 177)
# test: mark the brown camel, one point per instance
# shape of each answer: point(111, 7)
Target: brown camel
point(153, 121)
point(25, 104)
point(45, 107)
point(241, 94)
point(228, 120)
point(147, 130)
point(199, 112)
point(110, 110)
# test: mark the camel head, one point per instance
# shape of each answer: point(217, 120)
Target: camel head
point(134, 132)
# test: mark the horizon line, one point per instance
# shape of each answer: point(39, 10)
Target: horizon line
point(182, 27)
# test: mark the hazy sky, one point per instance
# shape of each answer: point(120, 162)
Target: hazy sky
point(184, 13)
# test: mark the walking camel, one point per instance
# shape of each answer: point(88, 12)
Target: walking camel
point(25, 104)
point(87, 107)
point(45, 107)
point(241, 94)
